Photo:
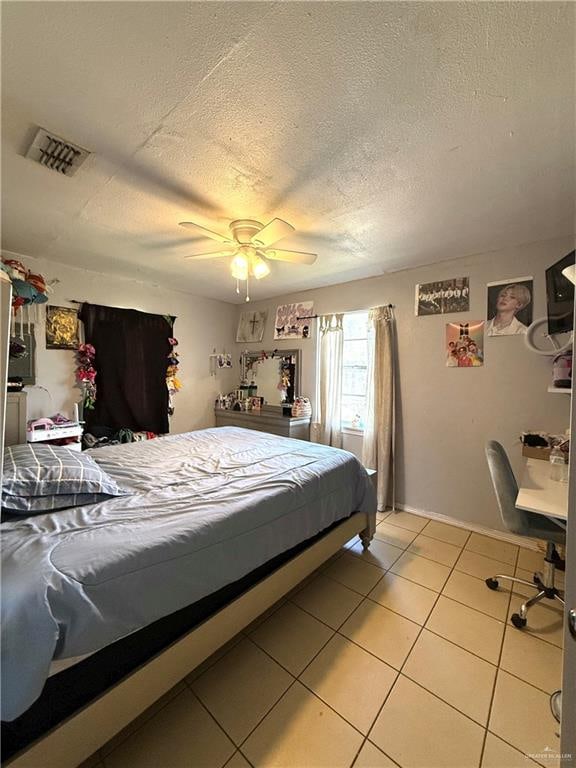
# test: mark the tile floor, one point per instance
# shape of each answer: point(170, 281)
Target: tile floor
point(398, 656)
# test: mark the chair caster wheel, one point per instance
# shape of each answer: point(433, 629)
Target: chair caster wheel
point(492, 583)
point(518, 621)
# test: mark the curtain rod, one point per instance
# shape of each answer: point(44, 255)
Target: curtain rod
point(352, 311)
point(75, 301)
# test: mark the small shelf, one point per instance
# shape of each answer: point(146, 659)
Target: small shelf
point(560, 390)
point(55, 433)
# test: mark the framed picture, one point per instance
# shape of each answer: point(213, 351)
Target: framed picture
point(251, 326)
point(61, 328)
point(465, 344)
point(443, 297)
point(510, 306)
point(293, 321)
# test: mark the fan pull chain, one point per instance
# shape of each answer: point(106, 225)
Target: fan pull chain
point(247, 285)
point(237, 286)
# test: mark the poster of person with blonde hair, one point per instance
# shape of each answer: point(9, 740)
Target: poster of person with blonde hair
point(509, 306)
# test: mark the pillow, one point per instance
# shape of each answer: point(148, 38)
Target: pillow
point(45, 470)
point(32, 505)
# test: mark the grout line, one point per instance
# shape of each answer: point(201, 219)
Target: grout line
point(497, 672)
point(245, 739)
point(314, 693)
point(297, 680)
point(462, 647)
point(297, 676)
point(218, 725)
point(378, 713)
point(527, 682)
point(448, 704)
point(221, 726)
point(234, 755)
point(245, 758)
point(497, 736)
point(416, 640)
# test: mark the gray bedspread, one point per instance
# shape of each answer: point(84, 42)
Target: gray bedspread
point(206, 508)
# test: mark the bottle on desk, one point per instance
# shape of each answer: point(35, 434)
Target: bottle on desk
point(558, 465)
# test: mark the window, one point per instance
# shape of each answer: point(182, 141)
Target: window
point(354, 369)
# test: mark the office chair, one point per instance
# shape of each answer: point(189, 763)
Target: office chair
point(524, 523)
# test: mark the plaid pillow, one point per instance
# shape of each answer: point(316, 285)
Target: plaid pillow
point(31, 505)
point(45, 470)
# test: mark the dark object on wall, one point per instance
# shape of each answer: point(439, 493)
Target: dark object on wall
point(15, 384)
point(560, 296)
point(25, 367)
point(131, 351)
point(61, 328)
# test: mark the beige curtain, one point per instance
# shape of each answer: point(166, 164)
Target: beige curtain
point(379, 433)
point(327, 426)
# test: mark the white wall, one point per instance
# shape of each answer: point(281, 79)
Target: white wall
point(201, 325)
point(447, 414)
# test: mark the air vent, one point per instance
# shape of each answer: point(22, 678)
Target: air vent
point(56, 153)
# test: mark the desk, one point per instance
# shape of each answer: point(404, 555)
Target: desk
point(539, 494)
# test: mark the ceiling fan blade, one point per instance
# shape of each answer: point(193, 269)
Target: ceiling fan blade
point(295, 257)
point(273, 231)
point(210, 255)
point(207, 232)
point(162, 245)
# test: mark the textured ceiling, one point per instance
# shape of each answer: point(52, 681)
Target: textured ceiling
point(390, 134)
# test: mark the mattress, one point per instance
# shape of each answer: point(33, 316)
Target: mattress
point(205, 509)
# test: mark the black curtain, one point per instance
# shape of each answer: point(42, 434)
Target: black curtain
point(131, 358)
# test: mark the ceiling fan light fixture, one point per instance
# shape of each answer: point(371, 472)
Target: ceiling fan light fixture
point(259, 268)
point(249, 244)
point(239, 266)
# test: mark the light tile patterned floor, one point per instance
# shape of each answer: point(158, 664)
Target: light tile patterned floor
point(399, 656)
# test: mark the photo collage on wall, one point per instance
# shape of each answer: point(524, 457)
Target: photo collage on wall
point(509, 313)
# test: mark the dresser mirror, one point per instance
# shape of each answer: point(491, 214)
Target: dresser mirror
point(276, 374)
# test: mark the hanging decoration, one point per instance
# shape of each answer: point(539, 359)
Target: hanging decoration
point(172, 381)
point(29, 290)
point(86, 374)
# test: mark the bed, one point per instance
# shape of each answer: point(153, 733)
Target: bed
point(218, 524)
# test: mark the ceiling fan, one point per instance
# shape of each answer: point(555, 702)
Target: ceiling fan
point(250, 246)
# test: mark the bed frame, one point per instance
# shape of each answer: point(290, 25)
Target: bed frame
point(88, 729)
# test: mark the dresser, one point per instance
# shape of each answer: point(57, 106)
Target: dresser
point(265, 421)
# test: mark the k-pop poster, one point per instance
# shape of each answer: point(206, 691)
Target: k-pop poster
point(465, 344)
point(510, 306)
point(443, 297)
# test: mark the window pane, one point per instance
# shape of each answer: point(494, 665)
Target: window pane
point(352, 407)
point(355, 325)
point(355, 353)
point(354, 381)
